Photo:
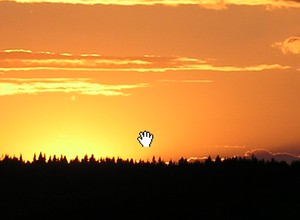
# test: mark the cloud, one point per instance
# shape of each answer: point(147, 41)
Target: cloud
point(185, 81)
point(268, 155)
point(84, 86)
point(231, 146)
point(258, 153)
point(201, 159)
point(270, 4)
point(25, 60)
point(290, 45)
point(209, 4)
point(196, 159)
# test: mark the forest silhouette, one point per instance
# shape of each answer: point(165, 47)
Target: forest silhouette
point(114, 188)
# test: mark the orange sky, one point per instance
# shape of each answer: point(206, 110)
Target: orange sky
point(220, 77)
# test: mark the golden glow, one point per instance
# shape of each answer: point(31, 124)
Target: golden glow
point(209, 4)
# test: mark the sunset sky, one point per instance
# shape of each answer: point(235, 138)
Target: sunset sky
point(204, 77)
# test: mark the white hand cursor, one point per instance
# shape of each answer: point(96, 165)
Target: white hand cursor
point(145, 138)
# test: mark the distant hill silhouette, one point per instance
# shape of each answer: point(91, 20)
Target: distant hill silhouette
point(114, 188)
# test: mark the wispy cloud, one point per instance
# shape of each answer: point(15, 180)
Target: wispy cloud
point(85, 86)
point(22, 60)
point(290, 45)
point(196, 159)
point(231, 146)
point(258, 153)
point(185, 81)
point(201, 159)
point(268, 155)
point(210, 4)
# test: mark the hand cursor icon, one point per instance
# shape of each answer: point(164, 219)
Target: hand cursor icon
point(145, 138)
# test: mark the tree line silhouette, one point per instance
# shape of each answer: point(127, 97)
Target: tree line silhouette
point(42, 159)
point(113, 188)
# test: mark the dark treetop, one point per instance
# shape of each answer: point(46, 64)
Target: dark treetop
point(113, 188)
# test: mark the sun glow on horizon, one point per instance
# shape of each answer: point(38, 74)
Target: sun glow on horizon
point(69, 146)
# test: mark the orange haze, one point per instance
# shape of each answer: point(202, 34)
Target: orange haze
point(205, 79)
